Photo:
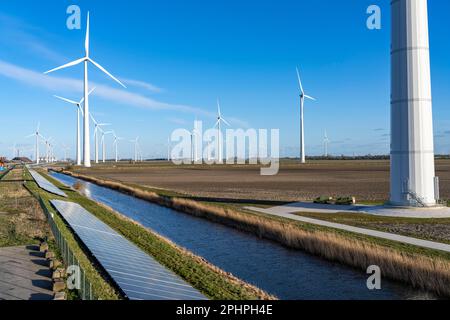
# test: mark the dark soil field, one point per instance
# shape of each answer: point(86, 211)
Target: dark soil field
point(366, 180)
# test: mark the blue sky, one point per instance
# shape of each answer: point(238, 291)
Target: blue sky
point(178, 58)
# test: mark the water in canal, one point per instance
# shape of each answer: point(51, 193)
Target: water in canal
point(288, 274)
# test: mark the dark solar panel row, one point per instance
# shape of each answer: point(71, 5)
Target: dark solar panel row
point(46, 185)
point(138, 275)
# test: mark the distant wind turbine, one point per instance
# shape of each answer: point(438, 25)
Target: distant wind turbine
point(168, 149)
point(194, 137)
point(220, 119)
point(65, 149)
point(136, 147)
point(47, 149)
point(103, 143)
point(37, 135)
point(97, 128)
point(79, 110)
point(86, 60)
point(326, 141)
point(116, 145)
point(303, 96)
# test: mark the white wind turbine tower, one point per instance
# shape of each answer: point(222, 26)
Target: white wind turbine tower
point(79, 110)
point(98, 126)
point(37, 135)
point(136, 146)
point(47, 149)
point(326, 141)
point(86, 60)
point(104, 134)
point(116, 144)
point(194, 153)
point(65, 149)
point(168, 149)
point(303, 96)
point(220, 119)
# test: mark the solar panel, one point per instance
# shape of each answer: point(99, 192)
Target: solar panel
point(138, 274)
point(45, 184)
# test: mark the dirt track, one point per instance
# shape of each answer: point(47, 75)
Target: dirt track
point(367, 180)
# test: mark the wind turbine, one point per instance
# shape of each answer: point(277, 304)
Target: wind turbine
point(65, 149)
point(194, 145)
point(50, 150)
point(303, 96)
point(136, 146)
point(220, 119)
point(37, 135)
point(116, 144)
point(79, 110)
point(168, 149)
point(86, 60)
point(103, 143)
point(98, 126)
point(326, 141)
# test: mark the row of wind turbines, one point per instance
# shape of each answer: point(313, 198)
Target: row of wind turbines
point(220, 120)
point(49, 146)
point(83, 155)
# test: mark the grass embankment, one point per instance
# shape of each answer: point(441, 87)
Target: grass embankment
point(207, 278)
point(422, 268)
point(22, 222)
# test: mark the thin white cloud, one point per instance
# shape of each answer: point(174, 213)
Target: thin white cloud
point(61, 84)
point(14, 31)
point(141, 84)
point(178, 121)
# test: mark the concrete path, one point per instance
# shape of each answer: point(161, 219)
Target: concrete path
point(24, 274)
point(419, 213)
point(378, 234)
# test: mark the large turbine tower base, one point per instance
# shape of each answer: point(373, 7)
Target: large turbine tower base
point(413, 182)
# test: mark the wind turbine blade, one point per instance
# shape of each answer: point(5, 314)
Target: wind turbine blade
point(31, 135)
point(299, 81)
point(89, 93)
point(38, 126)
point(310, 98)
point(66, 100)
point(90, 114)
point(104, 124)
point(70, 64)
point(217, 123)
point(225, 121)
point(218, 108)
point(105, 71)
point(86, 43)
